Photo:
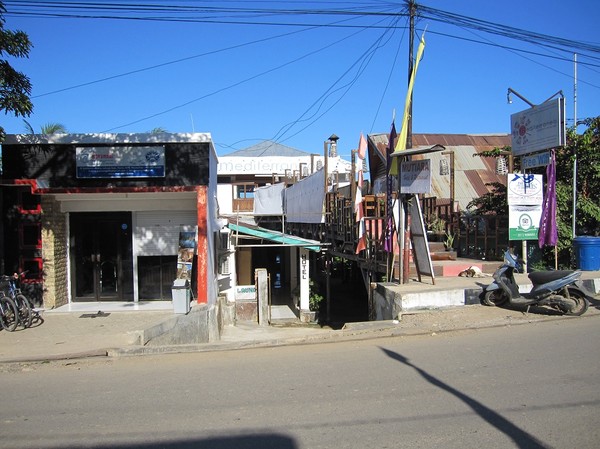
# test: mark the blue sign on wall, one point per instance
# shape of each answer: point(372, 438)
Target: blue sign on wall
point(121, 162)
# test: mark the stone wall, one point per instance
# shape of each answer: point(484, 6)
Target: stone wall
point(54, 253)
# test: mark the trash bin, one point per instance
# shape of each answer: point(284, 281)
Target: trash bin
point(181, 296)
point(587, 252)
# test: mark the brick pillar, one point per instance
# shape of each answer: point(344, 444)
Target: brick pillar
point(54, 254)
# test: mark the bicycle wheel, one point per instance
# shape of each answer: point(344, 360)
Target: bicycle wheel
point(25, 314)
point(9, 314)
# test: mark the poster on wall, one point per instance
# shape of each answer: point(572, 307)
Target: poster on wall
point(186, 252)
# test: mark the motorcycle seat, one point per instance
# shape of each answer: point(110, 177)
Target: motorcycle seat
point(543, 277)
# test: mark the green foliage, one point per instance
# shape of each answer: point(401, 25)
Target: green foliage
point(15, 87)
point(47, 129)
point(314, 298)
point(492, 203)
point(449, 240)
point(586, 147)
point(435, 223)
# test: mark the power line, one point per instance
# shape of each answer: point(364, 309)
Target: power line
point(231, 86)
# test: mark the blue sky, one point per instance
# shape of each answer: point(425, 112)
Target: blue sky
point(245, 83)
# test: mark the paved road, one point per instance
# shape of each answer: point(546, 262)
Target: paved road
point(529, 386)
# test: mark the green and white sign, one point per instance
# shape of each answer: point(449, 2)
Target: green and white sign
point(524, 222)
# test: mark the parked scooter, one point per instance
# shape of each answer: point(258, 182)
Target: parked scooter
point(555, 289)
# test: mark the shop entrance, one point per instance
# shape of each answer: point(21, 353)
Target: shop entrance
point(101, 256)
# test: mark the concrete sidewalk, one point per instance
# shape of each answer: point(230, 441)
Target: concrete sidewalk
point(69, 335)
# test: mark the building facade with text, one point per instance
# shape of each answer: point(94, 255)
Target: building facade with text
point(98, 217)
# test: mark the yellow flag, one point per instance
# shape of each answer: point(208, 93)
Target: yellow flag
point(401, 143)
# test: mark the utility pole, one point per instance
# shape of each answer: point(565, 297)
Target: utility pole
point(411, 38)
point(403, 219)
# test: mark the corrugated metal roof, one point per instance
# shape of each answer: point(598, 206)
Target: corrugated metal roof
point(268, 148)
point(471, 172)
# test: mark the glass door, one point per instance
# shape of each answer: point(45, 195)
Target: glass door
point(101, 255)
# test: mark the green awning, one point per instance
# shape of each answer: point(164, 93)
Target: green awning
point(275, 236)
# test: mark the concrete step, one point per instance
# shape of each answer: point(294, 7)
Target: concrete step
point(453, 267)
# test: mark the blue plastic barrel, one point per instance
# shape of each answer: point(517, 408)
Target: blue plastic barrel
point(587, 252)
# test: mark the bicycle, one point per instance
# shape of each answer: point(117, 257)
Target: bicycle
point(8, 284)
point(9, 314)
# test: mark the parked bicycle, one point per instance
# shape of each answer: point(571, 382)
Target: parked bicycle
point(10, 289)
point(9, 314)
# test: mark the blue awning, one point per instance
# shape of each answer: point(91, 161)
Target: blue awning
point(275, 236)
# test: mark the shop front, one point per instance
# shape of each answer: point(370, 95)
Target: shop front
point(110, 223)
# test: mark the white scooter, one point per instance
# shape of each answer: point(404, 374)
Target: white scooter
point(555, 289)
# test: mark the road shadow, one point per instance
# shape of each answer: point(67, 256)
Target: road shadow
point(256, 441)
point(521, 438)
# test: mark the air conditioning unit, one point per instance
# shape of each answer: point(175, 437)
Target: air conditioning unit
point(224, 242)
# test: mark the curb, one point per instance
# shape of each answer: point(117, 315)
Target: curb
point(384, 329)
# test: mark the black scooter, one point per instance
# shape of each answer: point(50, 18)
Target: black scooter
point(555, 289)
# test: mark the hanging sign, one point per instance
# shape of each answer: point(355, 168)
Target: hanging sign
point(538, 128)
point(415, 176)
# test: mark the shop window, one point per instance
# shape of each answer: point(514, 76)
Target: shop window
point(243, 199)
point(245, 191)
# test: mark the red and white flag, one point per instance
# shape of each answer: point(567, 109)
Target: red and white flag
point(362, 146)
point(360, 215)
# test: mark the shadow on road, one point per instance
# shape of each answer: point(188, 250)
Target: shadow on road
point(521, 438)
point(258, 441)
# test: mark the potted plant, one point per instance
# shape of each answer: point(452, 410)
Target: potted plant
point(449, 240)
point(314, 301)
point(436, 227)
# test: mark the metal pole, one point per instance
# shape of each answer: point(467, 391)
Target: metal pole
point(575, 147)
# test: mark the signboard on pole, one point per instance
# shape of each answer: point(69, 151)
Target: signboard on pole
point(523, 222)
point(415, 176)
point(525, 199)
point(538, 128)
point(524, 189)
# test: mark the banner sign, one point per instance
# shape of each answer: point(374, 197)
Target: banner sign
point(186, 251)
point(523, 222)
point(120, 162)
point(415, 176)
point(525, 189)
point(538, 128)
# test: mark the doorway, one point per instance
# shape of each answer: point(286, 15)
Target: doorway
point(101, 256)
